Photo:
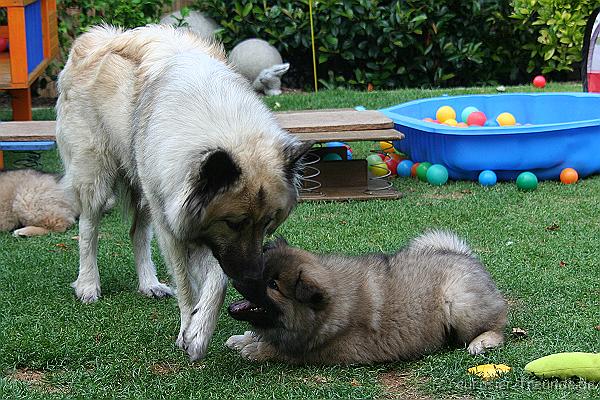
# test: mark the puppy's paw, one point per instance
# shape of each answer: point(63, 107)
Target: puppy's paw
point(157, 291)
point(485, 341)
point(238, 342)
point(86, 292)
point(29, 231)
point(258, 351)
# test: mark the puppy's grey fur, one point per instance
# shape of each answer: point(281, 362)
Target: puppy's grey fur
point(330, 309)
point(158, 112)
point(34, 203)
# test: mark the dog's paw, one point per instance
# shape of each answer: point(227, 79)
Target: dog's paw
point(485, 341)
point(237, 342)
point(29, 231)
point(87, 293)
point(157, 291)
point(195, 345)
point(258, 351)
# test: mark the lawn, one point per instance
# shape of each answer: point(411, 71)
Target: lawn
point(541, 247)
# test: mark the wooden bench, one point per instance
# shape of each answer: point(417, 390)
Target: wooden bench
point(336, 180)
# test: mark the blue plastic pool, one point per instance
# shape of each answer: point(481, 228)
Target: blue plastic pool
point(565, 132)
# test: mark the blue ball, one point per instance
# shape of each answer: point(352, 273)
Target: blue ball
point(404, 167)
point(487, 178)
point(490, 122)
point(335, 144)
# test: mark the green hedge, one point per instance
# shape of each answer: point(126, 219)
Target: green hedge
point(557, 27)
point(386, 43)
point(398, 43)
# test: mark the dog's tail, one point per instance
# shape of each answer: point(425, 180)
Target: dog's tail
point(440, 240)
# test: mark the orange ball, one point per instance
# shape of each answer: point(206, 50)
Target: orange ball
point(568, 176)
point(413, 169)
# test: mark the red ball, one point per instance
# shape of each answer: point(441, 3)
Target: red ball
point(539, 81)
point(3, 44)
point(382, 156)
point(413, 169)
point(476, 118)
point(392, 165)
point(568, 176)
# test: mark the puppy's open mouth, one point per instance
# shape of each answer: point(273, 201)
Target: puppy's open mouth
point(245, 310)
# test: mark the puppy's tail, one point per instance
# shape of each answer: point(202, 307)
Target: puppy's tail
point(440, 240)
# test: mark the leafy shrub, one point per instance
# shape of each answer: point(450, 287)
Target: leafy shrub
point(383, 42)
point(557, 28)
point(76, 16)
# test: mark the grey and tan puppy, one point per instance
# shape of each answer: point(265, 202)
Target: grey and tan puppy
point(34, 203)
point(331, 309)
point(159, 113)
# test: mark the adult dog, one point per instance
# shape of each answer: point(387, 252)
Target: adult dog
point(158, 113)
point(331, 309)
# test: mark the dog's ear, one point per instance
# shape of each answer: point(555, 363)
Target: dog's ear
point(310, 293)
point(276, 243)
point(294, 154)
point(218, 172)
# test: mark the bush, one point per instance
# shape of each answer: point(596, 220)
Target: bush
point(76, 16)
point(557, 28)
point(385, 43)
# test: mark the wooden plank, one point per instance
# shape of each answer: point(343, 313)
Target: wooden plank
point(16, 3)
point(5, 77)
point(335, 120)
point(18, 45)
point(350, 136)
point(27, 131)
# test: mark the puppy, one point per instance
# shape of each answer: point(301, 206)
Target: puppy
point(35, 203)
point(336, 309)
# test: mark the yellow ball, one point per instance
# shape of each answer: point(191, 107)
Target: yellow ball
point(380, 169)
point(451, 122)
point(506, 119)
point(462, 125)
point(445, 113)
point(387, 147)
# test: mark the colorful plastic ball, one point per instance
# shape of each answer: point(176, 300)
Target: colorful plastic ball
point(450, 122)
point(379, 169)
point(422, 171)
point(374, 159)
point(539, 82)
point(437, 175)
point(487, 178)
point(427, 119)
point(444, 113)
point(332, 157)
point(527, 181)
point(506, 119)
point(396, 156)
point(476, 118)
point(392, 165)
point(404, 167)
point(466, 112)
point(413, 169)
point(490, 123)
point(568, 176)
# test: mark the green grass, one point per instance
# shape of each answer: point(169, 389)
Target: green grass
point(51, 346)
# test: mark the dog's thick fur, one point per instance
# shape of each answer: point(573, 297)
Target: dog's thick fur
point(34, 203)
point(330, 309)
point(158, 112)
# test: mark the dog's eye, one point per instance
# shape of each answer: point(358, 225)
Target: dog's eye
point(236, 225)
point(272, 284)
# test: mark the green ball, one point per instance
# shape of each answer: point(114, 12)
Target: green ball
point(422, 171)
point(374, 159)
point(527, 181)
point(437, 174)
point(332, 157)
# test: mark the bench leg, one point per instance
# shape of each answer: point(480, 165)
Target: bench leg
point(21, 104)
point(1, 160)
